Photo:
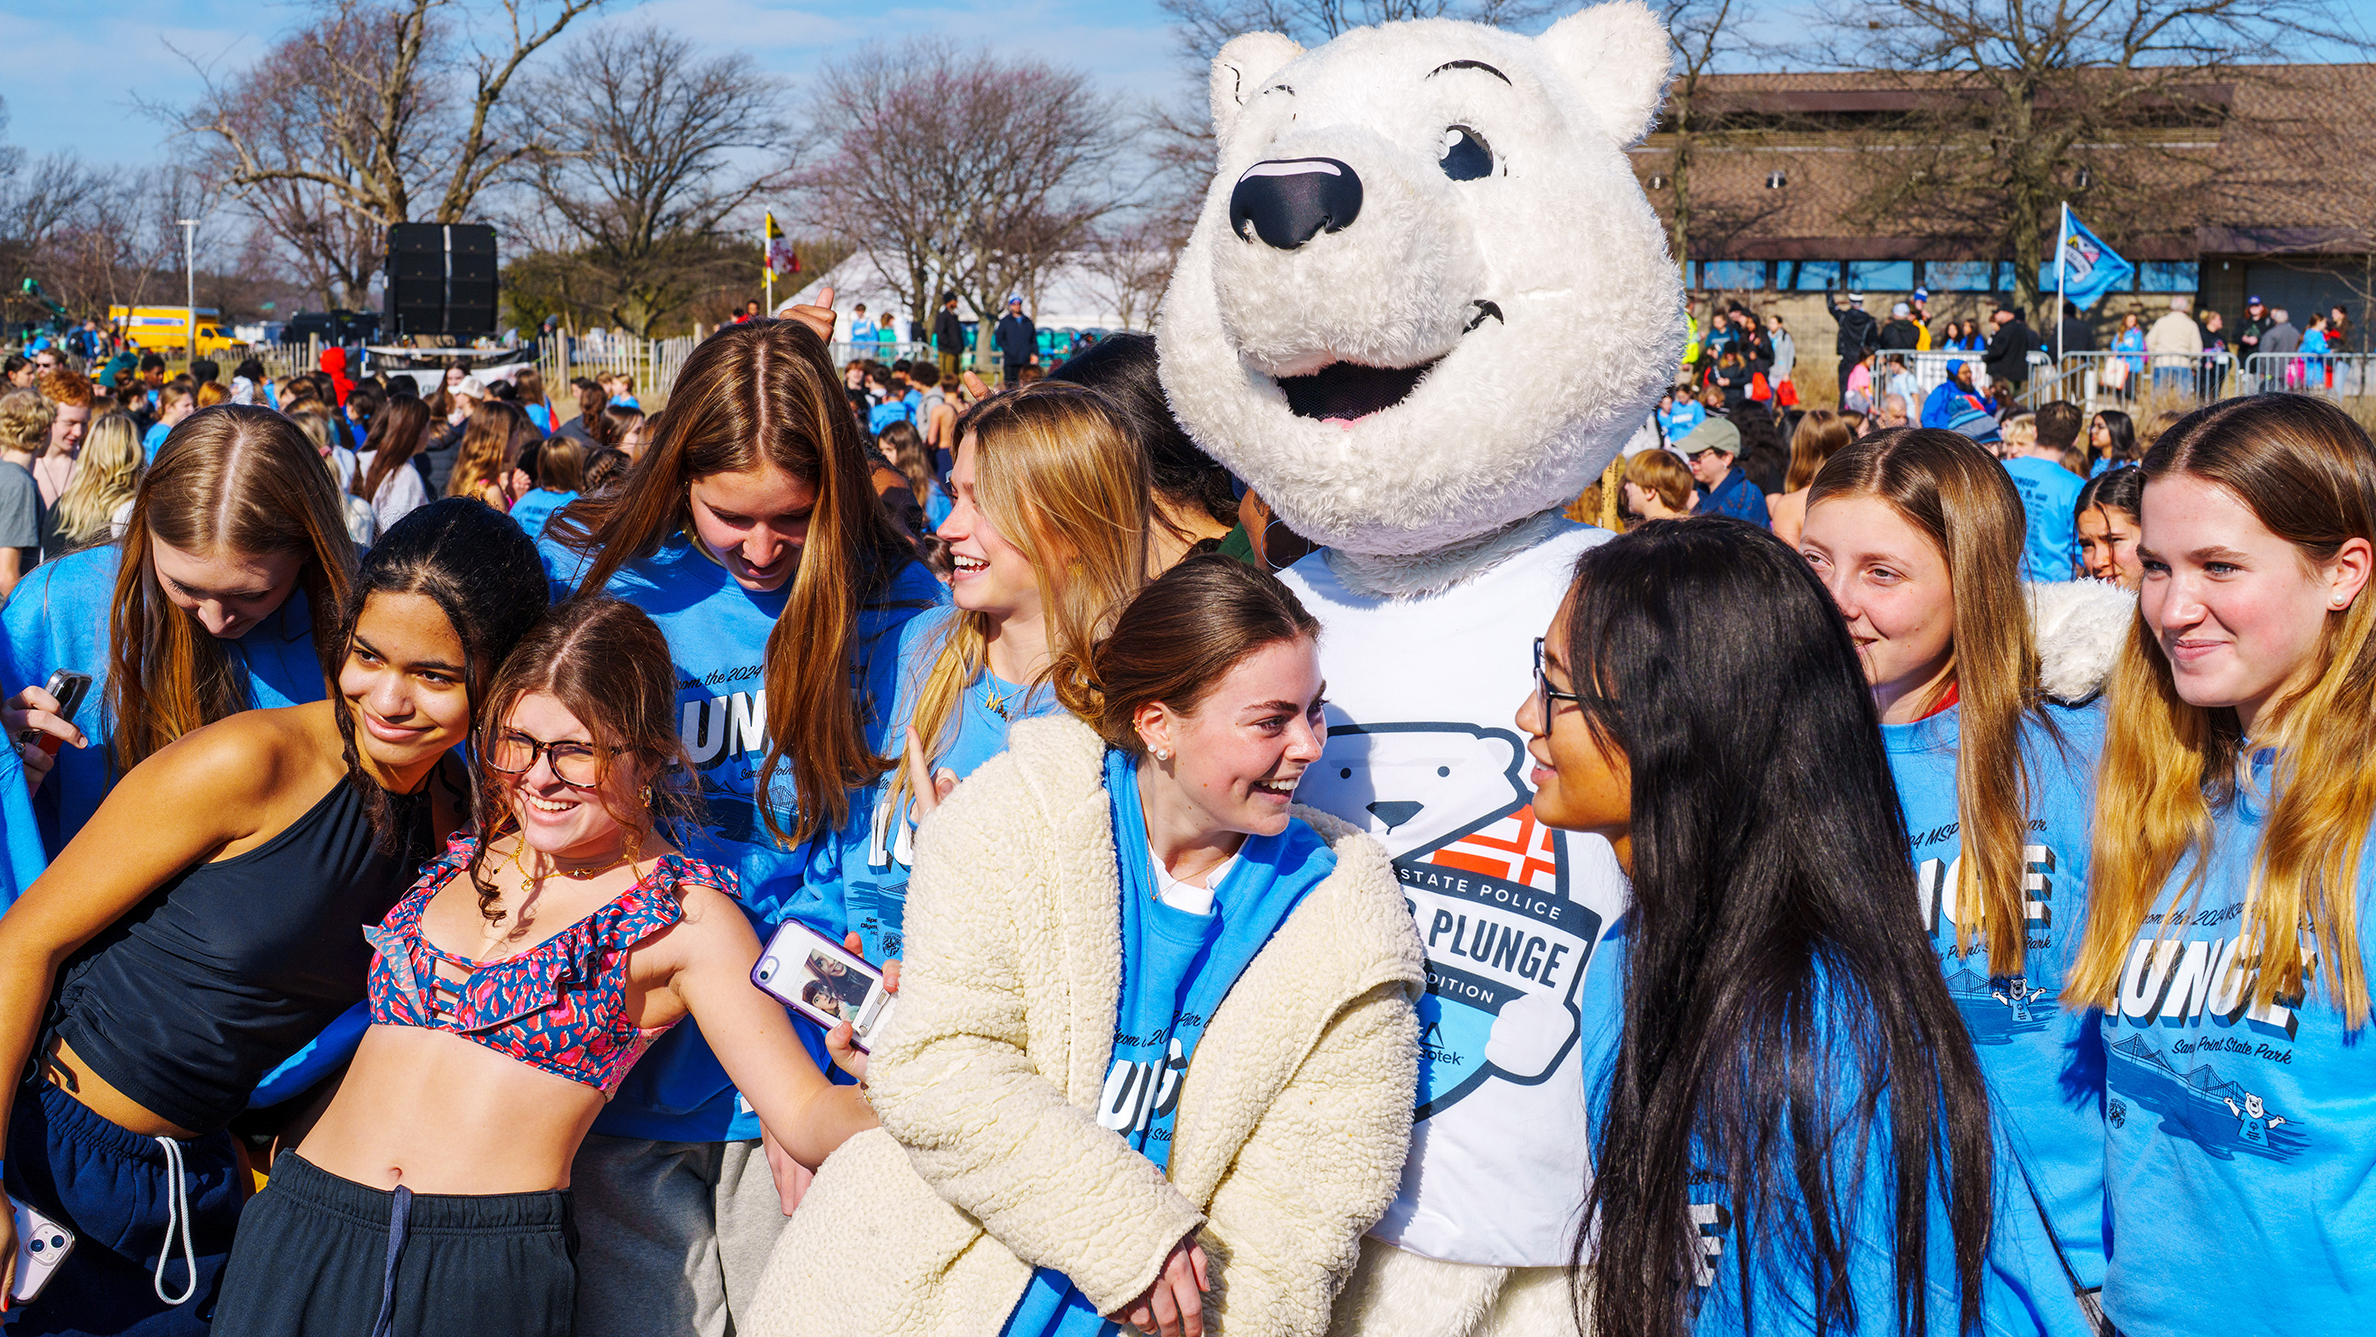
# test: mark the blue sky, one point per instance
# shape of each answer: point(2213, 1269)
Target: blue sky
point(73, 73)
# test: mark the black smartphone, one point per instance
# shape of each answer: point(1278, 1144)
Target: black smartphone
point(69, 688)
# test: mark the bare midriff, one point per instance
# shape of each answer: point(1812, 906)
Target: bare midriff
point(66, 1071)
point(441, 1114)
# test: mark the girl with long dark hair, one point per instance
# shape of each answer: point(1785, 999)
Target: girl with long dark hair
point(1796, 1133)
point(222, 596)
point(751, 534)
point(2106, 519)
point(2230, 926)
point(514, 987)
point(208, 923)
point(1917, 534)
point(384, 472)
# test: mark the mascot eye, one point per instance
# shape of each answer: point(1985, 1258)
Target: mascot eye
point(1465, 157)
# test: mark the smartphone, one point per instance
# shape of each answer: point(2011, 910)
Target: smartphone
point(69, 688)
point(42, 1244)
point(823, 981)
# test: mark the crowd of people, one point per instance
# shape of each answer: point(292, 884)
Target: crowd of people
point(408, 790)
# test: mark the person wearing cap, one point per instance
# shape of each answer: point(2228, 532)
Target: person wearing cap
point(2007, 358)
point(1900, 334)
point(1017, 339)
point(2049, 497)
point(2248, 335)
point(1711, 449)
point(1858, 334)
point(1922, 319)
point(948, 336)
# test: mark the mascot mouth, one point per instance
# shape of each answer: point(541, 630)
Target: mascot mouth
point(1347, 391)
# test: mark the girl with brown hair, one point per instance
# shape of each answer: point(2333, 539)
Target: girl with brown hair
point(218, 599)
point(525, 973)
point(1171, 1027)
point(751, 535)
point(1917, 534)
point(483, 462)
point(1657, 486)
point(621, 427)
point(1820, 435)
point(384, 472)
point(2228, 932)
point(560, 477)
point(208, 923)
point(1048, 533)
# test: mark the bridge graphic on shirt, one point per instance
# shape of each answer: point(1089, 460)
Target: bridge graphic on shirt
point(1998, 1008)
point(2223, 1117)
point(1488, 886)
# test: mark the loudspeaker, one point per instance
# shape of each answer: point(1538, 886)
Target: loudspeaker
point(441, 280)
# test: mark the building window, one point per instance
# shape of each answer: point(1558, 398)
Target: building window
point(1808, 275)
point(2168, 276)
point(1737, 275)
point(1957, 275)
point(1881, 275)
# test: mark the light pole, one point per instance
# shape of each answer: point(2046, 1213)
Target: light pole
point(189, 227)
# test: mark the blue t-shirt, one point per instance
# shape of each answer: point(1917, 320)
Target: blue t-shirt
point(2048, 492)
point(541, 415)
point(887, 413)
point(56, 618)
point(1178, 964)
point(2239, 1136)
point(22, 858)
point(1739, 498)
point(1677, 422)
point(153, 439)
point(2045, 1066)
point(717, 633)
point(535, 510)
point(857, 876)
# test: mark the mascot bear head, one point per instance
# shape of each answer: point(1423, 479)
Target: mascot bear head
point(1426, 299)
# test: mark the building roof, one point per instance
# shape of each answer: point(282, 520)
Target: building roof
point(2256, 161)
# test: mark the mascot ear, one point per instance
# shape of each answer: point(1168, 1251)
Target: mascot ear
point(1238, 72)
point(1618, 58)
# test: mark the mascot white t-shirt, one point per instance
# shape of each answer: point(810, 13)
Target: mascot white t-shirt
point(1524, 982)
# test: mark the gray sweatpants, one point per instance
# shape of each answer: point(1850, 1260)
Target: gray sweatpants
point(673, 1236)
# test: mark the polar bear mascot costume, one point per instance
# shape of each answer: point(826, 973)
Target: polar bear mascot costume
point(1424, 305)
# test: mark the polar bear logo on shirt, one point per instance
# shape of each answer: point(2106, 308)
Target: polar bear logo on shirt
point(1487, 885)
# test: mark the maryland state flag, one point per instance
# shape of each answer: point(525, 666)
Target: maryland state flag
point(780, 257)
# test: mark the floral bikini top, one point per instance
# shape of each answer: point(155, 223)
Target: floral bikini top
point(562, 1004)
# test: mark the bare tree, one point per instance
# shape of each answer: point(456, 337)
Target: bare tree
point(956, 170)
point(2018, 105)
point(374, 112)
point(657, 151)
point(1703, 33)
point(1129, 266)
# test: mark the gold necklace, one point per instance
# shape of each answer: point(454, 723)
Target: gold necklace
point(625, 856)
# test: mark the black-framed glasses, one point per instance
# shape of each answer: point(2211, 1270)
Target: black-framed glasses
point(1544, 694)
point(578, 765)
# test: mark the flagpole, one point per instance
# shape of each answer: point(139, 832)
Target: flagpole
point(2062, 245)
point(767, 266)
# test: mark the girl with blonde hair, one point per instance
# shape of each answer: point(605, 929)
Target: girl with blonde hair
point(1917, 534)
point(1048, 534)
point(105, 479)
point(483, 462)
point(2228, 929)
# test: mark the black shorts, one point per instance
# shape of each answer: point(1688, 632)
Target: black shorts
point(321, 1254)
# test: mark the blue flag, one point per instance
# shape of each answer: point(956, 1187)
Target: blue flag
point(2089, 267)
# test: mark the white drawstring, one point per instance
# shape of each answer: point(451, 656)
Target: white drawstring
point(177, 1212)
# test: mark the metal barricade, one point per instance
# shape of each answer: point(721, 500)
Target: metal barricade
point(2328, 375)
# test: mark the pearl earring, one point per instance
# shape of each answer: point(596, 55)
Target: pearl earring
point(1161, 755)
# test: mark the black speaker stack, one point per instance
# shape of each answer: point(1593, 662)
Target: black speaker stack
point(441, 281)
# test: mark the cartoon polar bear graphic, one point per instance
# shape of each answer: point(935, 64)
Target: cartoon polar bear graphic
point(1424, 304)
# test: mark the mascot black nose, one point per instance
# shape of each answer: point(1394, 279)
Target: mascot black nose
point(1290, 200)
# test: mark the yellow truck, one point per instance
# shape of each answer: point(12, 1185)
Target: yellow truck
point(166, 329)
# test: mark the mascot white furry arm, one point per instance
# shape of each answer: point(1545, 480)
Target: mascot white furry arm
point(1424, 305)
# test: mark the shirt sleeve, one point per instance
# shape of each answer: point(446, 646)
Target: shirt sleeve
point(20, 510)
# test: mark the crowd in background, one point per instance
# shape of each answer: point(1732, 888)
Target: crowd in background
point(446, 771)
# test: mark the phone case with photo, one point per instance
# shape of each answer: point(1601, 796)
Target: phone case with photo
point(42, 1244)
point(824, 981)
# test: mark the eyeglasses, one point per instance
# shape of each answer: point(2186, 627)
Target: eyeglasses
point(1544, 693)
point(578, 765)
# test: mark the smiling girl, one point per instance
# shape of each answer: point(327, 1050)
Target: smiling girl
point(1795, 1136)
point(1049, 536)
point(751, 536)
point(1154, 1022)
point(206, 607)
point(513, 988)
point(1917, 534)
point(208, 923)
point(2229, 934)
point(2106, 519)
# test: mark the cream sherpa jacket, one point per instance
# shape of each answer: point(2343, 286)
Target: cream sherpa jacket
point(1294, 1114)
